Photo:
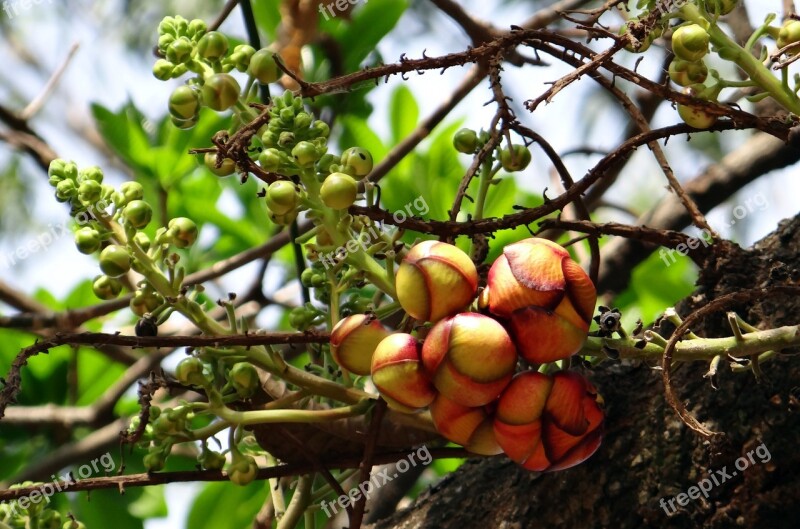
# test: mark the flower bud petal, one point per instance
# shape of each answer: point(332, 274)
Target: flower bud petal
point(467, 426)
point(470, 357)
point(543, 336)
point(397, 372)
point(354, 340)
point(435, 280)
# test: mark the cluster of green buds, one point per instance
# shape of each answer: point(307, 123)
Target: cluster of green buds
point(32, 511)
point(293, 140)
point(690, 44)
point(188, 46)
point(515, 158)
point(112, 222)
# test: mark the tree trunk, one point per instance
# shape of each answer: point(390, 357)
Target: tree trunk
point(647, 453)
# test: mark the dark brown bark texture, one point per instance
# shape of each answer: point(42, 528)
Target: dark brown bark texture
point(648, 454)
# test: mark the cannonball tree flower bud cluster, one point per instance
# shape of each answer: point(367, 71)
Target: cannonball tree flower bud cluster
point(537, 305)
point(23, 514)
point(113, 223)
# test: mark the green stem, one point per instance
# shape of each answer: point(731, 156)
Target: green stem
point(746, 61)
point(298, 503)
point(246, 418)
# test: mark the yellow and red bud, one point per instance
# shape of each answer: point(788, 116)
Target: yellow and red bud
point(435, 280)
point(354, 339)
point(472, 428)
point(546, 297)
point(470, 358)
point(398, 374)
point(548, 423)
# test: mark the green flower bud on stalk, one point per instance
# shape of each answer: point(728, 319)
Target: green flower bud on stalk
point(115, 261)
point(73, 525)
point(263, 66)
point(286, 115)
point(65, 190)
point(181, 25)
point(89, 192)
point(60, 170)
point(244, 378)
point(270, 160)
point(789, 34)
point(190, 372)
point(305, 154)
point(696, 116)
point(197, 29)
point(50, 520)
point(465, 141)
point(284, 219)
point(357, 160)
point(106, 288)
point(516, 161)
point(164, 41)
point(339, 191)
point(211, 460)
point(138, 213)
point(282, 197)
point(154, 461)
point(321, 129)
point(163, 69)
point(142, 240)
point(130, 191)
point(180, 50)
point(644, 45)
point(723, 7)
point(220, 91)
point(285, 139)
point(302, 120)
point(87, 240)
point(183, 232)
point(241, 56)
point(183, 124)
point(90, 173)
point(167, 26)
point(690, 42)
point(243, 470)
point(145, 302)
point(184, 103)
point(325, 162)
point(686, 73)
point(213, 46)
point(226, 168)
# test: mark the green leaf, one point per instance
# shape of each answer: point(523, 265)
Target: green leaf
point(212, 508)
point(404, 113)
point(151, 504)
point(370, 24)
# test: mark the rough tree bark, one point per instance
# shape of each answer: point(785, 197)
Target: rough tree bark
point(648, 453)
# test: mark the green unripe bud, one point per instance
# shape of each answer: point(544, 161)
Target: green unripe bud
point(307, 276)
point(154, 461)
point(87, 240)
point(142, 240)
point(145, 302)
point(357, 161)
point(283, 219)
point(183, 232)
point(243, 470)
point(73, 525)
point(65, 190)
point(226, 168)
point(722, 7)
point(305, 154)
point(685, 73)
point(325, 162)
point(465, 141)
point(244, 378)
point(115, 261)
point(789, 34)
point(644, 44)
point(516, 161)
point(184, 124)
point(286, 115)
point(269, 138)
point(693, 116)
point(130, 191)
point(164, 41)
point(263, 66)
point(321, 129)
point(240, 58)
point(213, 46)
point(106, 288)
point(162, 69)
point(339, 191)
point(285, 139)
point(89, 192)
point(184, 102)
point(60, 170)
point(138, 213)
point(211, 460)
point(93, 173)
point(190, 372)
point(167, 26)
point(302, 120)
point(196, 29)
point(690, 42)
point(220, 91)
point(282, 197)
point(270, 160)
point(50, 520)
point(179, 50)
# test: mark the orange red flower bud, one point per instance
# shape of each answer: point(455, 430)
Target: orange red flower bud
point(470, 358)
point(435, 280)
point(546, 297)
point(473, 428)
point(354, 339)
point(398, 374)
point(548, 423)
